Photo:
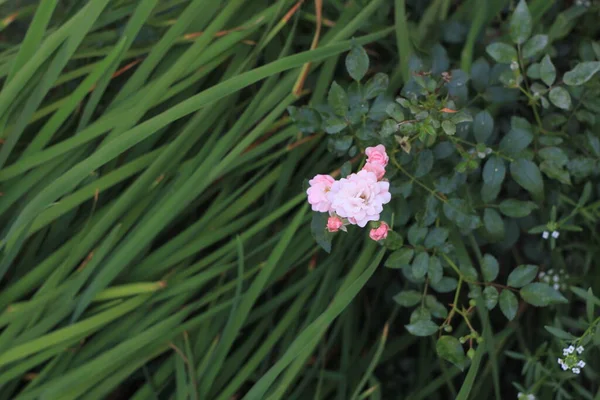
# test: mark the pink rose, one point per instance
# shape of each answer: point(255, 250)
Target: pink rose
point(318, 191)
point(377, 155)
point(334, 224)
point(380, 232)
point(377, 169)
point(359, 197)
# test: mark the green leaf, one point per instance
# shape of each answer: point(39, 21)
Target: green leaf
point(416, 234)
point(582, 73)
point(540, 295)
point(435, 271)
point(319, 231)
point(490, 294)
point(357, 63)
point(555, 155)
point(400, 258)
point(422, 328)
point(483, 126)
point(445, 285)
point(547, 70)
point(518, 138)
point(424, 163)
point(458, 211)
point(559, 333)
point(522, 275)
point(395, 111)
point(420, 265)
point(334, 125)
point(449, 127)
point(489, 268)
point(493, 175)
point(393, 241)
point(438, 310)
point(516, 208)
point(306, 119)
point(529, 177)
point(377, 85)
point(560, 97)
point(388, 128)
point(534, 46)
point(509, 304)
point(408, 298)
point(502, 52)
point(450, 349)
point(492, 221)
point(338, 99)
point(436, 237)
point(521, 23)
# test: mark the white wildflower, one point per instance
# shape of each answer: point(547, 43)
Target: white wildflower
point(545, 235)
point(555, 234)
point(579, 349)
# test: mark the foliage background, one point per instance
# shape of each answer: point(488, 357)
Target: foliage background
point(155, 237)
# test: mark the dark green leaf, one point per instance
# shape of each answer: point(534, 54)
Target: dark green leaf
point(435, 272)
point(306, 119)
point(483, 126)
point(408, 298)
point(420, 265)
point(521, 23)
point(509, 304)
point(541, 295)
point(377, 85)
point(560, 97)
point(547, 71)
point(334, 125)
point(528, 176)
point(517, 208)
point(445, 285)
point(416, 234)
point(388, 128)
point(319, 231)
point(582, 73)
point(438, 310)
point(522, 275)
point(400, 258)
point(338, 99)
point(518, 138)
point(357, 63)
point(436, 237)
point(450, 349)
point(559, 333)
point(492, 221)
point(422, 328)
point(534, 46)
point(424, 163)
point(490, 294)
point(489, 268)
point(502, 52)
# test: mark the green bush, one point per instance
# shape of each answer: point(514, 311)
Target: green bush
point(157, 243)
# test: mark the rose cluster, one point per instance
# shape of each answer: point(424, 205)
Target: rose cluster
point(356, 199)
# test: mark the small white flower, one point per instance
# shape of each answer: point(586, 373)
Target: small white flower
point(568, 350)
point(555, 234)
point(514, 66)
point(481, 155)
point(556, 286)
point(579, 349)
point(564, 367)
point(545, 235)
point(542, 274)
point(530, 397)
point(488, 150)
point(581, 364)
point(561, 361)
point(555, 278)
point(576, 370)
point(551, 271)
point(519, 395)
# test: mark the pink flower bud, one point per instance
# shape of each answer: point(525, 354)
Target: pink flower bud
point(377, 155)
point(380, 232)
point(334, 224)
point(377, 169)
